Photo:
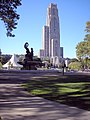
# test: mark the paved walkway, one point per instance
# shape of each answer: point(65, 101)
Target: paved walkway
point(17, 104)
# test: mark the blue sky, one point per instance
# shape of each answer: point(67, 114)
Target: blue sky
point(73, 15)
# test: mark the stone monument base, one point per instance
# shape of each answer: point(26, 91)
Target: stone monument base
point(30, 65)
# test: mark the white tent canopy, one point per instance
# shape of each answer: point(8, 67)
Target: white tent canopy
point(12, 63)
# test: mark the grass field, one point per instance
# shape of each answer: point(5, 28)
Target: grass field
point(73, 90)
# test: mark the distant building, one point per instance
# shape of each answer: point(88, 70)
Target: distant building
point(45, 40)
point(51, 36)
point(61, 52)
point(41, 54)
point(0, 52)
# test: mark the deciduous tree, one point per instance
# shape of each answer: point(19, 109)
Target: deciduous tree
point(9, 15)
point(75, 65)
point(83, 48)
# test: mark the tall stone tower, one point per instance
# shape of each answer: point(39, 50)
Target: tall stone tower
point(51, 35)
point(54, 32)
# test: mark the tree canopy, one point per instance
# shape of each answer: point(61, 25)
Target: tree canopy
point(9, 15)
point(75, 65)
point(83, 48)
point(87, 26)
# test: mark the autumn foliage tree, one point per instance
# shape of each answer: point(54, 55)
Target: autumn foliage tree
point(9, 15)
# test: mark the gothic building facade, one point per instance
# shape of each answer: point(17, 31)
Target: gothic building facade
point(51, 36)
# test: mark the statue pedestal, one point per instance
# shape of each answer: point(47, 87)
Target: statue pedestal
point(30, 65)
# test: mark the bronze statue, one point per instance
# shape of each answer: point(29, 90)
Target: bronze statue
point(26, 47)
point(29, 55)
point(29, 63)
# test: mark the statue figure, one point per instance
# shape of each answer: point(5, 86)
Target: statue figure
point(29, 55)
point(26, 47)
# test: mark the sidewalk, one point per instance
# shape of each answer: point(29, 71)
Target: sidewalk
point(17, 104)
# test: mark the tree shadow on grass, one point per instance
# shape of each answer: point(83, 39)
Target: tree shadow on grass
point(73, 90)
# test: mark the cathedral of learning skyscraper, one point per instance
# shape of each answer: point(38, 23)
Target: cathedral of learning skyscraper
point(51, 36)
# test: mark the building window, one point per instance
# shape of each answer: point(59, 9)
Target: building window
point(53, 11)
point(55, 22)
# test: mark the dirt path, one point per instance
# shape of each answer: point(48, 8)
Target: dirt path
point(17, 104)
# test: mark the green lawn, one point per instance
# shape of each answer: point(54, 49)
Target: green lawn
point(73, 90)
